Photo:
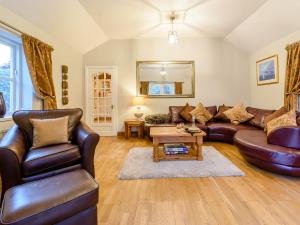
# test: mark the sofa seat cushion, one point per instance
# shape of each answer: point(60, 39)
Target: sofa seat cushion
point(51, 200)
point(253, 143)
point(49, 158)
point(227, 128)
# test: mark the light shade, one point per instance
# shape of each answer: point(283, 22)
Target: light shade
point(172, 37)
point(138, 101)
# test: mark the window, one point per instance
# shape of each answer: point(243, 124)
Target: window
point(157, 88)
point(10, 71)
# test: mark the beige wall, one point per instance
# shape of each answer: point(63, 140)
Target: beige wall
point(270, 96)
point(61, 55)
point(221, 71)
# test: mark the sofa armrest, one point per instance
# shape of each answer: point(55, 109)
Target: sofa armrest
point(12, 151)
point(87, 141)
point(285, 136)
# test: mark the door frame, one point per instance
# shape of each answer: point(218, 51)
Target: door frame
point(114, 88)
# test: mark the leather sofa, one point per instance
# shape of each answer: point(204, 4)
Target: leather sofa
point(279, 152)
point(19, 165)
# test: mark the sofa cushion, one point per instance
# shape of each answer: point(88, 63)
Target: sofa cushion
point(49, 158)
point(45, 131)
point(175, 114)
point(157, 118)
point(238, 114)
point(227, 128)
point(212, 110)
point(51, 200)
point(253, 143)
point(274, 115)
point(185, 113)
point(22, 119)
point(220, 114)
point(287, 119)
point(259, 116)
point(201, 114)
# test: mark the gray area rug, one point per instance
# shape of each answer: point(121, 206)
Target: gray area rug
point(139, 165)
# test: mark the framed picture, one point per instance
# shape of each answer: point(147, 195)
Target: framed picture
point(267, 70)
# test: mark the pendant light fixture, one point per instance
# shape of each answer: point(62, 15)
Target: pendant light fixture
point(172, 36)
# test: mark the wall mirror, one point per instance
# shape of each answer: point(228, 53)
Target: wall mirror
point(166, 79)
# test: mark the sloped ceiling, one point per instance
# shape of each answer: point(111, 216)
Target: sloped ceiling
point(65, 19)
point(121, 19)
point(274, 20)
point(85, 24)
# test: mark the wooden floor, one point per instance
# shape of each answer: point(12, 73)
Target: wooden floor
point(258, 198)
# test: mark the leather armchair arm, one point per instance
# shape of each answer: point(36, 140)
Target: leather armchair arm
point(12, 151)
point(286, 137)
point(87, 141)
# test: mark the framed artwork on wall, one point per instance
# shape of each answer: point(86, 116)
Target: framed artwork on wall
point(267, 70)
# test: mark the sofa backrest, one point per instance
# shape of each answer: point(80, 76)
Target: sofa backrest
point(259, 115)
point(22, 119)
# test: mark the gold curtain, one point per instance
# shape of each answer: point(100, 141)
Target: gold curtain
point(144, 87)
point(178, 88)
point(292, 79)
point(38, 57)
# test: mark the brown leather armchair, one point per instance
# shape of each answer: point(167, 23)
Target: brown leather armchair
point(20, 165)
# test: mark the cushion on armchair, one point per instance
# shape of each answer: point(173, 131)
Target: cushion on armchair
point(22, 119)
point(49, 131)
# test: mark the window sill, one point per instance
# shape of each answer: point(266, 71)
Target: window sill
point(5, 119)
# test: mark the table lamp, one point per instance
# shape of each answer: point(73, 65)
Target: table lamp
point(138, 102)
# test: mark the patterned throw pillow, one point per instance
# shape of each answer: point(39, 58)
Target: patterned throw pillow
point(185, 113)
point(287, 119)
point(276, 114)
point(157, 118)
point(220, 115)
point(238, 114)
point(174, 112)
point(201, 114)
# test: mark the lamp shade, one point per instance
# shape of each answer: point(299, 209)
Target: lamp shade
point(138, 101)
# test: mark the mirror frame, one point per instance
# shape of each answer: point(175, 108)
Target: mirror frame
point(138, 63)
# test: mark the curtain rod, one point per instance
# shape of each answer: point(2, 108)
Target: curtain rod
point(11, 27)
point(16, 30)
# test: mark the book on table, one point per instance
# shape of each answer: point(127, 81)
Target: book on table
point(173, 149)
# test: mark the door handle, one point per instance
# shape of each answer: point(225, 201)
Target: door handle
point(112, 107)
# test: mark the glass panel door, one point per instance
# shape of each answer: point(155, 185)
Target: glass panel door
point(101, 97)
point(102, 102)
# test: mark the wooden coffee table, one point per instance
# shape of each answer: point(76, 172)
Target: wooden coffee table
point(164, 135)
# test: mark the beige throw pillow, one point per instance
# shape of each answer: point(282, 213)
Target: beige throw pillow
point(276, 114)
point(238, 114)
point(49, 131)
point(288, 119)
point(201, 114)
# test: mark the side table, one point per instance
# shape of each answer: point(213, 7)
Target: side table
point(139, 124)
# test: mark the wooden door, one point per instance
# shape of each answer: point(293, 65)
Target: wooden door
point(101, 99)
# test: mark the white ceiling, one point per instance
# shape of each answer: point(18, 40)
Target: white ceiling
point(85, 24)
point(121, 19)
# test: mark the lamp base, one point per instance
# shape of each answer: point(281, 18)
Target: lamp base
point(138, 115)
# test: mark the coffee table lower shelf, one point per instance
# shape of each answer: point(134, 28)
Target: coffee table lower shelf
point(192, 155)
